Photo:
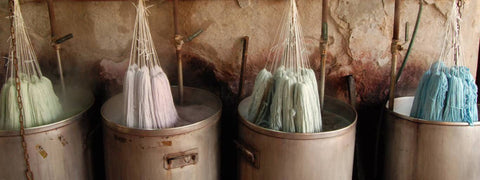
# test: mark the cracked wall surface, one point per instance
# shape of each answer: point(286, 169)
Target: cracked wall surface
point(360, 33)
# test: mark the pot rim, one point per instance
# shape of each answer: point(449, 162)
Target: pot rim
point(423, 121)
point(118, 128)
point(51, 126)
point(303, 136)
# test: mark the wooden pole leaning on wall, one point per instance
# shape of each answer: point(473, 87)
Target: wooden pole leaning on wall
point(178, 48)
point(395, 47)
point(51, 15)
point(179, 41)
point(323, 51)
point(245, 40)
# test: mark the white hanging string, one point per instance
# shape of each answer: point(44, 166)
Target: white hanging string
point(40, 103)
point(448, 92)
point(287, 101)
point(148, 102)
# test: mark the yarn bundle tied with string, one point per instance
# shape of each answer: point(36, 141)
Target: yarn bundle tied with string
point(285, 95)
point(147, 95)
point(40, 103)
point(447, 91)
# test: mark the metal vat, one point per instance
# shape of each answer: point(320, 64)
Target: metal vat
point(57, 151)
point(420, 149)
point(271, 155)
point(189, 152)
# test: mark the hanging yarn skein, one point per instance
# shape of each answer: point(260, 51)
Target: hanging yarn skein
point(148, 101)
point(40, 103)
point(285, 95)
point(448, 93)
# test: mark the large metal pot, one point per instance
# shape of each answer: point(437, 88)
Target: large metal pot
point(57, 151)
point(420, 149)
point(270, 155)
point(189, 152)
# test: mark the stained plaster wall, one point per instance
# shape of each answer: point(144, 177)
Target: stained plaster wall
point(360, 37)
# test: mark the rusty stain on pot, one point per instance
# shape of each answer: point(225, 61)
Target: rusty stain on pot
point(167, 143)
point(158, 145)
point(120, 139)
point(62, 140)
point(41, 151)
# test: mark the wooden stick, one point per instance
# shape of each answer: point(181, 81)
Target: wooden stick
point(179, 41)
point(51, 15)
point(242, 70)
point(56, 46)
point(323, 50)
point(394, 49)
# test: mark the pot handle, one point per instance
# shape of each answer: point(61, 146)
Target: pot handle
point(248, 153)
point(181, 159)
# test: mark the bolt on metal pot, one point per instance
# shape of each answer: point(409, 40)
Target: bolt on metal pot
point(421, 149)
point(268, 155)
point(180, 153)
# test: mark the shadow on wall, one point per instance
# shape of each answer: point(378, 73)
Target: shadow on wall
point(200, 73)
